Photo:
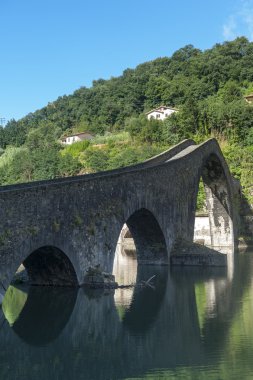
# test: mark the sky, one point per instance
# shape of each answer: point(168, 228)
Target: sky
point(50, 48)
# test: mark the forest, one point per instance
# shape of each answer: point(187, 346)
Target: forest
point(207, 87)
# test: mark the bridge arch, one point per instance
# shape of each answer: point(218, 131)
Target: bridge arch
point(148, 237)
point(48, 265)
point(218, 191)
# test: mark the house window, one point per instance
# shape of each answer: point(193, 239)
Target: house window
point(158, 116)
point(74, 139)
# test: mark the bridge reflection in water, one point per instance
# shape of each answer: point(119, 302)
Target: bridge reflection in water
point(187, 325)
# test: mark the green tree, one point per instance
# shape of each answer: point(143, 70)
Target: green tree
point(96, 159)
point(68, 165)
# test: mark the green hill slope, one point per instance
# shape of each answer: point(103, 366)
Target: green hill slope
point(206, 86)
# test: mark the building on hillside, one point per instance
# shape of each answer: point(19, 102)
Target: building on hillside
point(68, 140)
point(249, 98)
point(161, 113)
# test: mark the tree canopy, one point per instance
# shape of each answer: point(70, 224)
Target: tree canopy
point(206, 86)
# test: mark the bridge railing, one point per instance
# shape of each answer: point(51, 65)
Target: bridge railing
point(153, 161)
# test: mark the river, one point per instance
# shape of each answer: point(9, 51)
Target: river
point(192, 323)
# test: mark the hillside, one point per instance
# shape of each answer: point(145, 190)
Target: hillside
point(206, 86)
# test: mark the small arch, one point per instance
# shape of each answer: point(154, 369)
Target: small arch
point(49, 266)
point(148, 238)
point(145, 244)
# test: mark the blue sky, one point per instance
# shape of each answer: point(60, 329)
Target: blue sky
point(52, 47)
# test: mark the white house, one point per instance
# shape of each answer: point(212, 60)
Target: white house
point(68, 140)
point(161, 113)
point(249, 98)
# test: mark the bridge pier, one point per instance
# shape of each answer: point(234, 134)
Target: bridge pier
point(193, 254)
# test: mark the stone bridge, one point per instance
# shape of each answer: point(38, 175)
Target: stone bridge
point(59, 228)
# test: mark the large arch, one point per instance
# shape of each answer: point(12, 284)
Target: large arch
point(218, 201)
point(48, 265)
point(148, 237)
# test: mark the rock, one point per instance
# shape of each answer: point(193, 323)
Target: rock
point(95, 278)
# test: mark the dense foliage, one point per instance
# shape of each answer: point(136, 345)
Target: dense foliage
point(206, 86)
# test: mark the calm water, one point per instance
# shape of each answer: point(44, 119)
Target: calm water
point(193, 324)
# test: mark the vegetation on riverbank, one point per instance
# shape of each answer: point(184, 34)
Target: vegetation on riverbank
point(206, 86)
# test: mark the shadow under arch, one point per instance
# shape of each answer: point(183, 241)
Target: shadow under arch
point(218, 201)
point(148, 238)
point(48, 265)
point(45, 313)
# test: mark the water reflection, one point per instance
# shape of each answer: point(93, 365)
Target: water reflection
point(38, 314)
point(13, 303)
point(191, 325)
point(146, 301)
point(125, 272)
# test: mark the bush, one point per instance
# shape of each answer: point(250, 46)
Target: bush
point(75, 149)
point(96, 159)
